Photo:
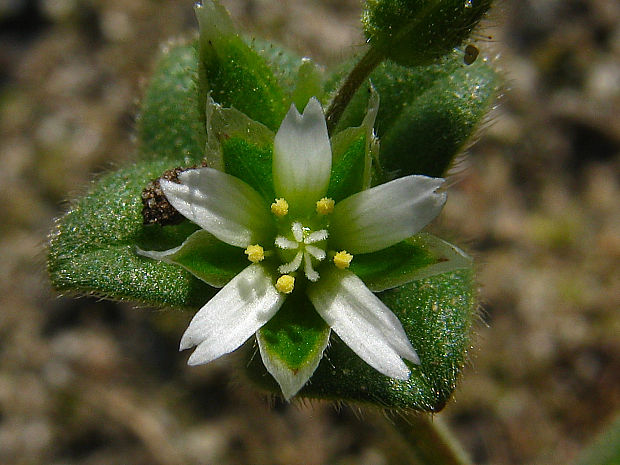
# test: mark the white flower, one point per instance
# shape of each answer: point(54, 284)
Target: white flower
point(301, 236)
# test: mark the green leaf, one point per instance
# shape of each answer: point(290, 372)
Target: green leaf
point(206, 257)
point(293, 342)
point(436, 313)
point(418, 257)
point(415, 32)
point(233, 73)
point(93, 246)
point(427, 114)
point(171, 121)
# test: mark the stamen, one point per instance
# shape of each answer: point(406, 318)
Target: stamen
point(317, 253)
point(255, 253)
point(292, 265)
point(285, 243)
point(298, 231)
point(310, 273)
point(279, 207)
point(343, 259)
point(325, 206)
point(316, 236)
point(285, 284)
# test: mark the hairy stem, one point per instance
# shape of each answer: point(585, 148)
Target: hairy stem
point(430, 440)
point(353, 81)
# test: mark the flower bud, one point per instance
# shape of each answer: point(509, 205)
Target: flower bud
point(416, 32)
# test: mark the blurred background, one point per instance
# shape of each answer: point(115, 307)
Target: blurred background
point(88, 382)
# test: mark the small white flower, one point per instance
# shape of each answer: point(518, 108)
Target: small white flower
point(302, 236)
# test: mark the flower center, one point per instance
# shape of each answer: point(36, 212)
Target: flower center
point(302, 246)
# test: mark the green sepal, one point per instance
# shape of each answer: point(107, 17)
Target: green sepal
point(157, 237)
point(347, 175)
point(292, 343)
point(251, 164)
point(436, 313)
point(233, 73)
point(418, 257)
point(416, 32)
point(427, 114)
point(240, 146)
point(206, 257)
point(353, 150)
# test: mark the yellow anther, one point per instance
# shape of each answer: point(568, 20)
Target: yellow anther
point(285, 284)
point(255, 253)
point(343, 259)
point(325, 206)
point(279, 207)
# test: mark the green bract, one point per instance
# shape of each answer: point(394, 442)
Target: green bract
point(416, 32)
point(219, 102)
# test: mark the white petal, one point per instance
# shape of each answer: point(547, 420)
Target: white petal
point(302, 157)
point(377, 218)
point(290, 381)
point(363, 322)
point(222, 204)
point(245, 304)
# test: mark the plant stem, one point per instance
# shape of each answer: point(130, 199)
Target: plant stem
point(355, 79)
point(430, 440)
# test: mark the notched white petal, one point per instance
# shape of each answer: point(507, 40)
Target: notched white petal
point(222, 204)
point(363, 322)
point(377, 218)
point(302, 157)
point(245, 304)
